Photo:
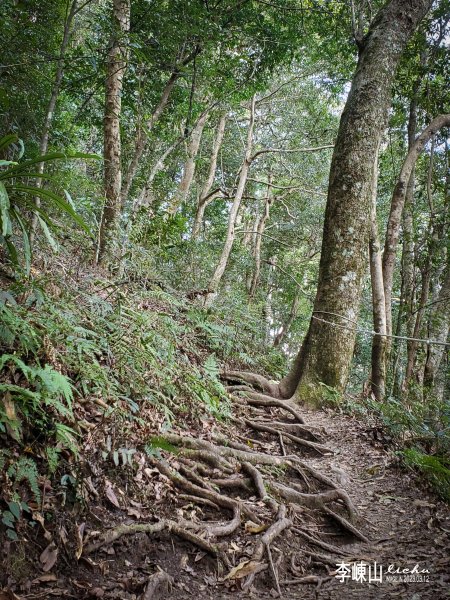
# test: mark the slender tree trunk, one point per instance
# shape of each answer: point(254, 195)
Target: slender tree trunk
point(438, 330)
point(140, 141)
point(408, 267)
point(50, 113)
point(205, 196)
point(193, 147)
point(259, 234)
point(143, 132)
point(285, 328)
point(413, 345)
point(327, 350)
point(230, 235)
point(378, 376)
point(432, 238)
point(115, 70)
point(146, 195)
point(397, 204)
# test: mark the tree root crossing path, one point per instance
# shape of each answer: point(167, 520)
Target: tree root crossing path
point(279, 501)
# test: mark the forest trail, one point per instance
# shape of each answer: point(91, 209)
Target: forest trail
point(403, 523)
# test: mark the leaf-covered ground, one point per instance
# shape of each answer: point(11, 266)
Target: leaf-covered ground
point(404, 523)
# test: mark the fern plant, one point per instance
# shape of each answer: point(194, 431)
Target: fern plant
point(47, 390)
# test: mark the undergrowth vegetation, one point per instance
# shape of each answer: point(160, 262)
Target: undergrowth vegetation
point(419, 432)
point(83, 346)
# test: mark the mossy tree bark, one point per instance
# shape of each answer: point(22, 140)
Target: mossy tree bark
point(327, 350)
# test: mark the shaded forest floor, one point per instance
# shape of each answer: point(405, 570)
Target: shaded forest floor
point(404, 523)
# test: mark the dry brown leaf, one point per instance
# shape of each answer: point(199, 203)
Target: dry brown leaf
point(245, 568)
point(10, 408)
point(111, 495)
point(251, 527)
point(79, 532)
point(45, 578)
point(49, 556)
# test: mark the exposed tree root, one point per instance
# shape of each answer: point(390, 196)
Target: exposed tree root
point(253, 379)
point(255, 399)
point(321, 544)
point(198, 500)
point(207, 470)
point(258, 482)
point(315, 501)
point(263, 545)
point(164, 524)
point(296, 429)
point(196, 490)
point(346, 525)
point(301, 442)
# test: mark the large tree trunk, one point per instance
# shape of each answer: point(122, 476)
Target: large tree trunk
point(397, 205)
point(205, 196)
point(50, 112)
point(115, 69)
point(230, 235)
point(327, 350)
point(193, 147)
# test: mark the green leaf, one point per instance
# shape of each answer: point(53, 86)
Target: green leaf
point(57, 200)
point(5, 206)
point(50, 239)
point(8, 518)
point(47, 158)
point(7, 140)
point(3, 163)
point(12, 535)
point(14, 507)
point(161, 443)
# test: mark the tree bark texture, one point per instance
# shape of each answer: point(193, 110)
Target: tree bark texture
point(115, 70)
point(378, 363)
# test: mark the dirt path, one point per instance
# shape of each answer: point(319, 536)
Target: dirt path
point(405, 525)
